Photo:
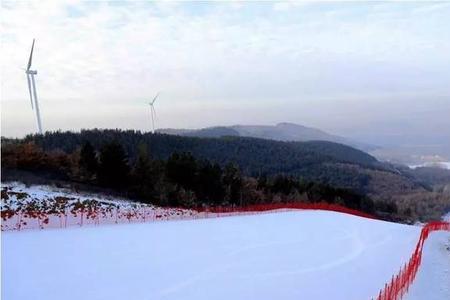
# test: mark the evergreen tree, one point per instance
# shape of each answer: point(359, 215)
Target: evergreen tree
point(181, 169)
point(144, 176)
point(232, 181)
point(88, 160)
point(262, 182)
point(113, 168)
point(283, 184)
point(209, 186)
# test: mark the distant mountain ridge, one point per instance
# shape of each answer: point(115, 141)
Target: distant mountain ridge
point(285, 132)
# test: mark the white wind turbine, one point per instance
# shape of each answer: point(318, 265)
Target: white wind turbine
point(153, 112)
point(32, 89)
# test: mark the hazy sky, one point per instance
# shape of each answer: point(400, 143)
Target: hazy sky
point(367, 70)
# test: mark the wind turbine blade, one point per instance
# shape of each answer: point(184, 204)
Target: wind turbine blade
point(29, 90)
point(31, 56)
point(154, 99)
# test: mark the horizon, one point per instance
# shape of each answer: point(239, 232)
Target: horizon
point(225, 149)
point(372, 71)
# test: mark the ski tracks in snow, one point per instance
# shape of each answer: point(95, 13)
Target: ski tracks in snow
point(352, 238)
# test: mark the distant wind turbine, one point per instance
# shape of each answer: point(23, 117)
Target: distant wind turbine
point(32, 89)
point(153, 112)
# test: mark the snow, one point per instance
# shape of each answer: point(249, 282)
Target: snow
point(433, 279)
point(60, 207)
point(440, 164)
point(446, 217)
point(46, 193)
point(285, 255)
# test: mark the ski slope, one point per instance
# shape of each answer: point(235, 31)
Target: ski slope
point(433, 279)
point(285, 255)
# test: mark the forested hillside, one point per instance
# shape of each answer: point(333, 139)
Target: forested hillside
point(254, 155)
point(286, 132)
point(320, 161)
point(327, 169)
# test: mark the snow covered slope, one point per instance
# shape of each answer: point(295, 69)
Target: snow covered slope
point(286, 255)
point(34, 207)
point(433, 279)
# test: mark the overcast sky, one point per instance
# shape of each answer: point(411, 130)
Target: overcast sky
point(365, 70)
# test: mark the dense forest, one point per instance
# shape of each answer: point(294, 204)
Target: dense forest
point(191, 171)
point(179, 180)
point(324, 162)
point(256, 155)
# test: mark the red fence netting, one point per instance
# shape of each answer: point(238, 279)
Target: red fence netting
point(285, 206)
point(89, 213)
point(92, 214)
point(400, 283)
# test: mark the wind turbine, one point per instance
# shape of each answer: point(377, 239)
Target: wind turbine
point(153, 112)
point(32, 89)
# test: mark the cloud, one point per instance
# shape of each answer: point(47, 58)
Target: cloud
point(99, 62)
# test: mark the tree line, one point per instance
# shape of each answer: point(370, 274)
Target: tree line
point(179, 180)
point(319, 161)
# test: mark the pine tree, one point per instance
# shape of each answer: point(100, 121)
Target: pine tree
point(209, 186)
point(144, 176)
point(88, 160)
point(181, 169)
point(232, 181)
point(113, 168)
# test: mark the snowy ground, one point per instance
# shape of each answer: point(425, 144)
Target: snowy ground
point(433, 280)
point(446, 217)
point(34, 207)
point(441, 164)
point(288, 255)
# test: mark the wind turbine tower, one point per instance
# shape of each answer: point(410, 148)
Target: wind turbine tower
point(153, 112)
point(32, 89)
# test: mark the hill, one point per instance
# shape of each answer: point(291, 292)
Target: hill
point(252, 154)
point(320, 161)
point(286, 132)
point(310, 171)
